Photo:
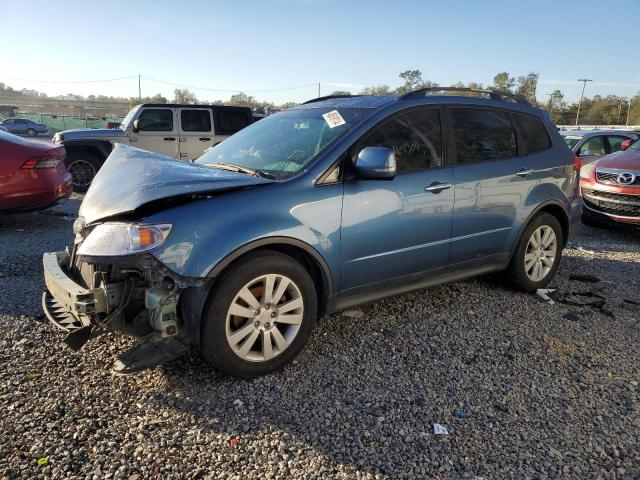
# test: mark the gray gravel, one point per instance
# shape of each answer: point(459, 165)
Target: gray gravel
point(550, 390)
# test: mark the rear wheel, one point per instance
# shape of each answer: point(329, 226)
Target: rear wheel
point(537, 256)
point(260, 316)
point(31, 132)
point(82, 166)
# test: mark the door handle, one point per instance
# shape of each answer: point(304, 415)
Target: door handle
point(169, 139)
point(524, 172)
point(205, 139)
point(437, 187)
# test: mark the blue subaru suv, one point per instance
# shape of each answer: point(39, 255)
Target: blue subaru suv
point(334, 203)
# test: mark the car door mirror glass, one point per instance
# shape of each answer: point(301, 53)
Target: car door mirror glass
point(376, 163)
point(136, 126)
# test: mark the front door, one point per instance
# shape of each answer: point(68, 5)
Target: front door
point(195, 131)
point(157, 131)
point(393, 229)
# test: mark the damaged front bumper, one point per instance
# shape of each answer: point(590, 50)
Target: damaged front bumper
point(86, 300)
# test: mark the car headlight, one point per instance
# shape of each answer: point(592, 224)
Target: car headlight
point(116, 239)
point(587, 170)
point(58, 138)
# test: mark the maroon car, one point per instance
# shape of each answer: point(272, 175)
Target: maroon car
point(32, 174)
point(610, 188)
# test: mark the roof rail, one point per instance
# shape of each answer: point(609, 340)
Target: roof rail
point(328, 97)
point(493, 94)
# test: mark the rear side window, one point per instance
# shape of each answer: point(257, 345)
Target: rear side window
point(195, 120)
point(615, 141)
point(415, 138)
point(533, 133)
point(230, 121)
point(592, 147)
point(156, 120)
point(483, 134)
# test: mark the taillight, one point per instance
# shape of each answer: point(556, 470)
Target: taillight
point(51, 160)
point(577, 163)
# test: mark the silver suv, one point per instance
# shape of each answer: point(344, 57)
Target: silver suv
point(179, 131)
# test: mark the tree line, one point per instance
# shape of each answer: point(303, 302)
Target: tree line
point(603, 110)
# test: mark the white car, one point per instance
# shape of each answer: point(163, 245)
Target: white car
point(179, 131)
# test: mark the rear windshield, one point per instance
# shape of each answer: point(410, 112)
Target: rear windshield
point(285, 143)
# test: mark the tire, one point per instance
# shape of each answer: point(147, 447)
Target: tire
point(83, 167)
point(525, 278)
point(237, 344)
point(31, 132)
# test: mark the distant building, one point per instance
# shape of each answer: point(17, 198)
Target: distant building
point(8, 110)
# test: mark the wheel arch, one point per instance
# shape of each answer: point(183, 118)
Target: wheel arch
point(553, 207)
point(193, 300)
point(97, 148)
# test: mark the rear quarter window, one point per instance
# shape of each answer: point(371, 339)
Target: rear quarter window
point(533, 133)
point(229, 122)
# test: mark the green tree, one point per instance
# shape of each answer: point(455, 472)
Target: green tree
point(184, 96)
point(527, 85)
point(557, 106)
point(376, 90)
point(157, 98)
point(243, 100)
point(502, 81)
point(340, 92)
point(413, 81)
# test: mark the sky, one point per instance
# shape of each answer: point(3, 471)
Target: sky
point(265, 47)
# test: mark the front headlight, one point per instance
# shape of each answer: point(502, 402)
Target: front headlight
point(58, 138)
point(116, 239)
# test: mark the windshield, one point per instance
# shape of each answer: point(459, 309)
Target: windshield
point(126, 120)
point(571, 141)
point(284, 144)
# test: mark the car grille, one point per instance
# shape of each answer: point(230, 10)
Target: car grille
point(610, 177)
point(621, 204)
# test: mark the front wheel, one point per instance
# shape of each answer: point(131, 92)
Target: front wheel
point(537, 255)
point(31, 132)
point(259, 316)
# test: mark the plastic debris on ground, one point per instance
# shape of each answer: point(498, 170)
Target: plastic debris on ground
point(582, 249)
point(43, 460)
point(542, 293)
point(233, 442)
point(461, 413)
point(440, 429)
point(353, 314)
point(237, 402)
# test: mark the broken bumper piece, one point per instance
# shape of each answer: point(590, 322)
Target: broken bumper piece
point(86, 313)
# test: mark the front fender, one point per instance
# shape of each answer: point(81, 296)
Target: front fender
point(208, 234)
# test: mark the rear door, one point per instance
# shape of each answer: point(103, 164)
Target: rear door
point(229, 120)
point(614, 142)
point(491, 183)
point(157, 131)
point(195, 131)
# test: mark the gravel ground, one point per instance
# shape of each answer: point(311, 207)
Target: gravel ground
point(526, 389)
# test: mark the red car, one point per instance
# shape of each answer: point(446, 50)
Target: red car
point(32, 174)
point(610, 188)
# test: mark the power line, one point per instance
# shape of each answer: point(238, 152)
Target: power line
point(69, 81)
point(229, 91)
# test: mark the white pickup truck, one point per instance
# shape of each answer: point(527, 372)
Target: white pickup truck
point(180, 131)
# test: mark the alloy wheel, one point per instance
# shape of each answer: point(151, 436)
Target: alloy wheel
point(82, 172)
point(540, 253)
point(264, 318)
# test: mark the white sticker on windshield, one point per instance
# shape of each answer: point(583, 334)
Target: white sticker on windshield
point(333, 119)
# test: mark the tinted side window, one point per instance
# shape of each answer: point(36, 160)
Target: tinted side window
point(195, 120)
point(230, 121)
point(593, 146)
point(156, 120)
point(415, 138)
point(9, 121)
point(533, 133)
point(483, 134)
point(615, 141)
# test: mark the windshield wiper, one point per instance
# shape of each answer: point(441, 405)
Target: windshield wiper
point(237, 168)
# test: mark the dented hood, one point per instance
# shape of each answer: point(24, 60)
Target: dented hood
point(131, 178)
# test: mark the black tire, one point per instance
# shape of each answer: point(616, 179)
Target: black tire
point(31, 132)
point(516, 272)
point(216, 349)
point(83, 167)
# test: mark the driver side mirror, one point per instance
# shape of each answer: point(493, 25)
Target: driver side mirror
point(136, 125)
point(626, 144)
point(376, 163)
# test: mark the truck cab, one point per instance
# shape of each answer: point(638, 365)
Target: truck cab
point(179, 131)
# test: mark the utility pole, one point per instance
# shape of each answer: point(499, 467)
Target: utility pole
point(628, 110)
point(318, 89)
point(139, 89)
point(584, 84)
point(620, 108)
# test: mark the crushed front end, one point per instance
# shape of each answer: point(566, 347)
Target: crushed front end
point(107, 281)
